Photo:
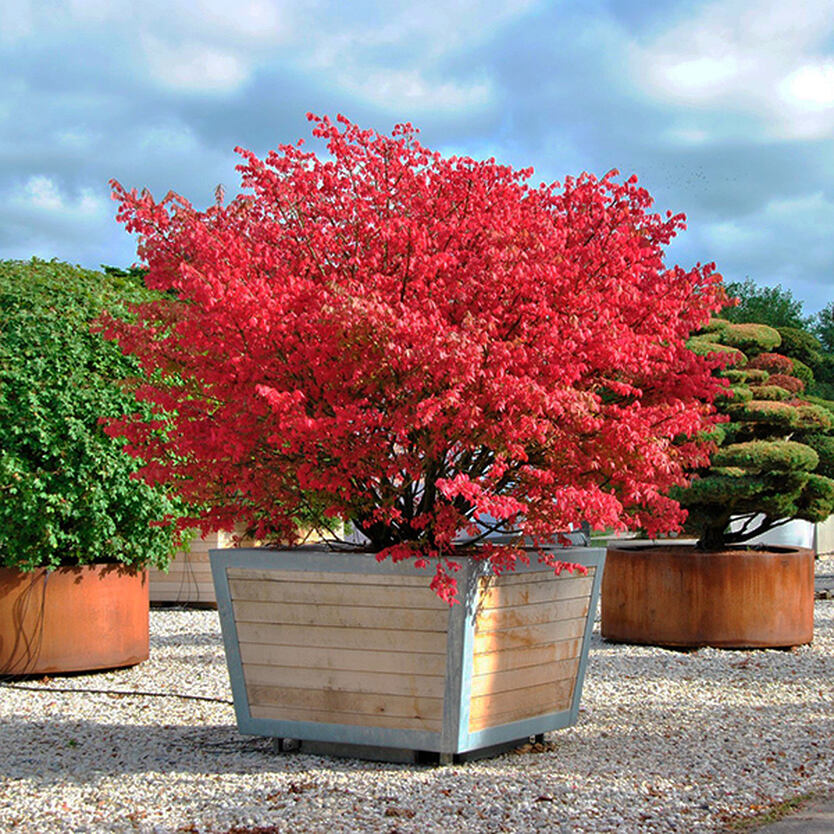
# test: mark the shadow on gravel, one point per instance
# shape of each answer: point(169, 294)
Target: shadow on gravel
point(56, 752)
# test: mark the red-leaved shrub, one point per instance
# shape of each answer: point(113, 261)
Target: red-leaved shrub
point(412, 342)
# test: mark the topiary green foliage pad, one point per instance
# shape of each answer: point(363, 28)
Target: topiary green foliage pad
point(68, 497)
point(775, 455)
point(765, 455)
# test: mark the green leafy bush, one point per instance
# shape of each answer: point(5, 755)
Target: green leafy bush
point(68, 497)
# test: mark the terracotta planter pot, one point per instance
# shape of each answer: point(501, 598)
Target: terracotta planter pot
point(675, 595)
point(72, 619)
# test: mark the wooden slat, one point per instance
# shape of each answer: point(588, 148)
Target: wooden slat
point(188, 578)
point(500, 619)
point(502, 708)
point(177, 574)
point(178, 569)
point(527, 636)
point(348, 578)
point(336, 593)
point(545, 575)
point(536, 698)
point(390, 683)
point(338, 701)
point(174, 587)
point(512, 680)
point(346, 638)
point(502, 661)
point(394, 722)
point(336, 615)
point(503, 595)
point(346, 659)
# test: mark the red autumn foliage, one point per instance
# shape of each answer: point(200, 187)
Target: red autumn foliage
point(789, 383)
point(775, 363)
point(414, 342)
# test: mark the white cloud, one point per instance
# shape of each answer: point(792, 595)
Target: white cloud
point(411, 89)
point(386, 54)
point(17, 20)
point(392, 55)
point(74, 139)
point(810, 86)
point(40, 194)
point(766, 60)
point(193, 66)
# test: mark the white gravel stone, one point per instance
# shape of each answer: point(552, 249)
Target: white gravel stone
point(666, 742)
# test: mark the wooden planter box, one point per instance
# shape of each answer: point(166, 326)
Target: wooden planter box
point(188, 580)
point(350, 656)
point(824, 537)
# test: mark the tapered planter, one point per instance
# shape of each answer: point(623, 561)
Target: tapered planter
point(72, 619)
point(675, 595)
point(824, 537)
point(188, 578)
point(351, 656)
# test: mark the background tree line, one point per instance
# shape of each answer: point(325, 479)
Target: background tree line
point(809, 339)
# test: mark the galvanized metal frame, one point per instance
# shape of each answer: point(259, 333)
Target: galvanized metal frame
point(454, 737)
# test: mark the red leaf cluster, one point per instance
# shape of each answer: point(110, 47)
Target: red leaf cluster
point(415, 343)
point(786, 381)
point(775, 363)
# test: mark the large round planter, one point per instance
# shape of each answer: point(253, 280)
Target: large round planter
point(675, 595)
point(72, 619)
point(346, 655)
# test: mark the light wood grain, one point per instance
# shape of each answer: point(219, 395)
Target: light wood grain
point(505, 707)
point(331, 700)
point(550, 673)
point(357, 660)
point(500, 594)
point(188, 579)
point(544, 575)
point(521, 658)
point(346, 578)
point(527, 636)
point(337, 615)
point(375, 639)
point(381, 683)
point(500, 619)
point(299, 590)
point(394, 722)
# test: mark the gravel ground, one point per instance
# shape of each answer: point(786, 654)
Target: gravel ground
point(666, 741)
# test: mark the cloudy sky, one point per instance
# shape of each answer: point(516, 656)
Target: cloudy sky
point(724, 110)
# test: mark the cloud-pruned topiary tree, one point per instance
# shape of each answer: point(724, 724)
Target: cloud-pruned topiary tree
point(773, 460)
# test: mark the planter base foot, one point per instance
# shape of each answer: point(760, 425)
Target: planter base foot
point(395, 755)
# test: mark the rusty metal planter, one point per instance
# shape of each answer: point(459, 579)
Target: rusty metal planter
point(675, 595)
point(345, 655)
point(72, 619)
